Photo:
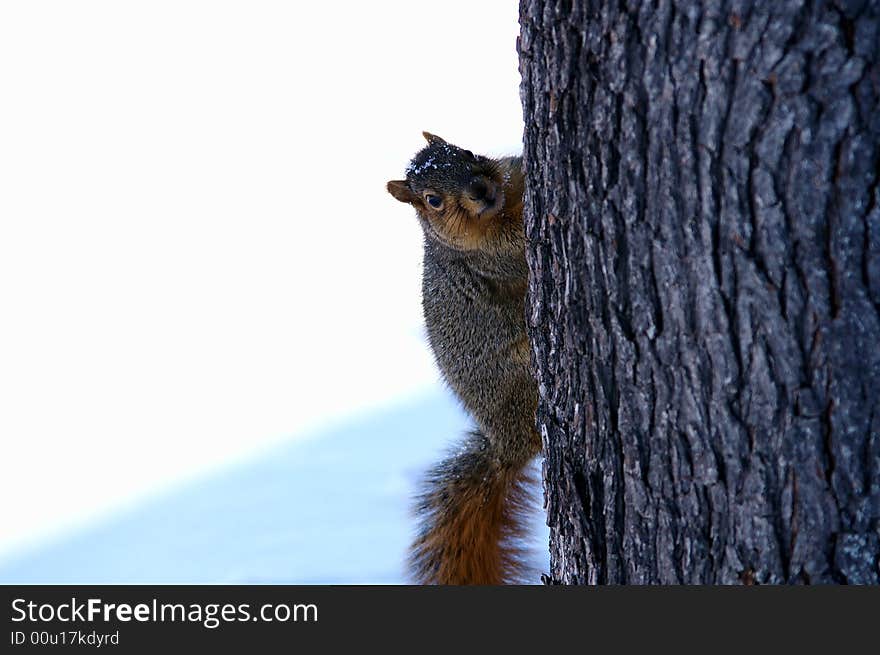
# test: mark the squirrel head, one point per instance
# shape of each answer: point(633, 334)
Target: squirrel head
point(466, 201)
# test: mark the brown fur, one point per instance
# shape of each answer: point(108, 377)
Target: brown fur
point(475, 525)
point(473, 296)
point(463, 223)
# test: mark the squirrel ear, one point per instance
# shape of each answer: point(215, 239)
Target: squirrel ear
point(400, 190)
point(432, 138)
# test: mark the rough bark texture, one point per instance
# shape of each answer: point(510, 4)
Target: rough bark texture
point(703, 216)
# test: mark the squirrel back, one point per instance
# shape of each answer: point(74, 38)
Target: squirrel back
point(473, 295)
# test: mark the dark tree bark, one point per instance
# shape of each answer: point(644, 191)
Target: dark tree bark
point(703, 216)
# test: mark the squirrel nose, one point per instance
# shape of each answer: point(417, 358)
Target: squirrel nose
point(478, 189)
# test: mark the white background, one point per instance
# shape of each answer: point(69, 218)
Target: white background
point(197, 255)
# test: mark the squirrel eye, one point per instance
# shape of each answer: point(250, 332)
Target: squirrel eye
point(435, 201)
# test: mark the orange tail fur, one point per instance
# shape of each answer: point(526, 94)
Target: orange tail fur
point(473, 511)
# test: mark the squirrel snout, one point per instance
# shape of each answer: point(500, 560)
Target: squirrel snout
point(481, 190)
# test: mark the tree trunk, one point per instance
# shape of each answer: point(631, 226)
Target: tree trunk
point(703, 215)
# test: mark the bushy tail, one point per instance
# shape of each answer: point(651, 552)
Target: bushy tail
point(473, 513)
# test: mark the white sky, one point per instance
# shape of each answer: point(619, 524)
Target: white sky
point(197, 254)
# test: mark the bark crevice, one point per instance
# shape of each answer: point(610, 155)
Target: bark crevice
point(703, 215)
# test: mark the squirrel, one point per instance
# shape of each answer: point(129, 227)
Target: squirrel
point(474, 284)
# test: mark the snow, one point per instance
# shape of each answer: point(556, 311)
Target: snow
point(426, 165)
point(200, 264)
point(330, 508)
